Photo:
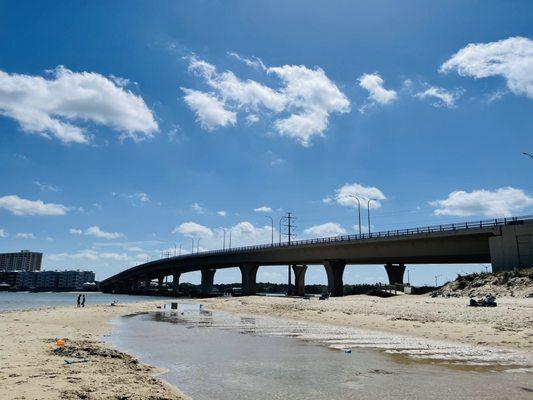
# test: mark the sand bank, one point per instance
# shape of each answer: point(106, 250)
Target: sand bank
point(31, 369)
point(510, 325)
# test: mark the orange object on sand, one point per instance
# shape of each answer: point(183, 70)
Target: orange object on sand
point(60, 342)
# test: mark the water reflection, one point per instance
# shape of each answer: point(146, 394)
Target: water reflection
point(223, 356)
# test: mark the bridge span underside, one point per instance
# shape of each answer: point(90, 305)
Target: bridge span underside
point(507, 244)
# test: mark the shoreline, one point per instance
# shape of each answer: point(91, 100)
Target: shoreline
point(31, 367)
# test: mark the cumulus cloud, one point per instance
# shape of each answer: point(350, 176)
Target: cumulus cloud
point(53, 106)
point(140, 196)
point(263, 209)
point(25, 235)
point(222, 213)
point(97, 232)
point(3, 233)
point(444, 98)
point(193, 229)
point(502, 202)
point(510, 58)
point(210, 111)
point(377, 94)
point(345, 195)
point(253, 62)
point(89, 255)
point(73, 231)
point(197, 208)
point(19, 206)
point(327, 229)
point(43, 187)
point(307, 95)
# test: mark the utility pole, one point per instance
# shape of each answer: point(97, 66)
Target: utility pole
point(436, 277)
point(289, 218)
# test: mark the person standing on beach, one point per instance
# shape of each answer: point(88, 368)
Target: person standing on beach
point(83, 301)
point(79, 300)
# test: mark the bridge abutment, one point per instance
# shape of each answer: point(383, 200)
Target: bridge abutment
point(160, 280)
point(395, 273)
point(299, 279)
point(249, 278)
point(208, 276)
point(334, 271)
point(512, 249)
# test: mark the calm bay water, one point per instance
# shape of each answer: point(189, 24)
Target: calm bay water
point(223, 356)
point(26, 300)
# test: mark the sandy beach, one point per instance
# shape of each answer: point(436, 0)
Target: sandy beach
point(31, 369)
point(509, 325)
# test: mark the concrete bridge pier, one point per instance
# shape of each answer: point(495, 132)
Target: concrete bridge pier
point(208, 276)
point(334, 271)
point(299, 279)
point(395, 273)
point(175, 281)
point(249, 278)
point(160, 280)
point(147, 283)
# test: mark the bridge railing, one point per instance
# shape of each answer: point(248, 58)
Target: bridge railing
point(372, 235)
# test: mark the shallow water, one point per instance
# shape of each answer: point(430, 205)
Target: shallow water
point(25, 300)
point(223, 356)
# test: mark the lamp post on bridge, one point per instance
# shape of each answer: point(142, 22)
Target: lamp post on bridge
point(359, 210)
point(280, 221)
point(192, 245)
point(368, 210)
point(224, 241)
point(198, 246)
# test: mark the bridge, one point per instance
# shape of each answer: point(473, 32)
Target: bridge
point(507, 243)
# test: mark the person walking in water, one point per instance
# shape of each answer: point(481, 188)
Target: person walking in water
point(83, 301)
point(79, 300)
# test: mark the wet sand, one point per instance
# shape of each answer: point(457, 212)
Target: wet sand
point(31, 367)
point(510, 325)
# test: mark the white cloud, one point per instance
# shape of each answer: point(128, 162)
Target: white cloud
point(510, 58)
point(43, 187)
point(263, 209)
point(308, 95)
point(97, 232)
point(141, 196)
point(222, 213)
point(502, 202)
point(73, 231)
point(210, 111)
point(25, 236)
point(89, 255)
point(445, 98)
point(253, 62)
point(327, 229)
point(18, 206)
point(327, 200)
point(50, 106)
point(377, 94)
point(345, 195)
point(3, 233)
point(192, 229)
point(197, 208)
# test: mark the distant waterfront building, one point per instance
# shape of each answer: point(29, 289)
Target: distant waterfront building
point(25, 260)
point(47, 280)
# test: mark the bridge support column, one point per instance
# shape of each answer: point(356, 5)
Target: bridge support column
point(513, 248)
point(208, 276)
point(334, 270)
point(299, 279)
point(160, 280)
point(147, 283)
point(395, 273)
point(175, 281)
point(249, 275)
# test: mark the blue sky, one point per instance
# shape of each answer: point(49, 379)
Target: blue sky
point(128, 129)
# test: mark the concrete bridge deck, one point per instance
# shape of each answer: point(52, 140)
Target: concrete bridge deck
point(506, 243)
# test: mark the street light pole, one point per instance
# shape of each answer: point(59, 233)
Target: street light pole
point(368, 209)
point(272, 227)
point(192, 246)
point(180, 249)
point(198, 246)
point(359, 209)
point(224, 242)
point(230, 238)
point(280, 220)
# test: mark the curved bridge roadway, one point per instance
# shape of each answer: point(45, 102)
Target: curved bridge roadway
point(506, 243)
